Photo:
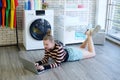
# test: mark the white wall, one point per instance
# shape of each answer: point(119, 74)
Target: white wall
point(101, 7)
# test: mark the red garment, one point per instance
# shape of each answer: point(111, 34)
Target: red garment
point(16, 4)
point(3, 17)
point(4, 3)
point(15, 19)
point(3, 12)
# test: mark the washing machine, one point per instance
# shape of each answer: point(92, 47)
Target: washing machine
point(36, 23)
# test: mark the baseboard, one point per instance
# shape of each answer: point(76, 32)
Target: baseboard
point(113, 40)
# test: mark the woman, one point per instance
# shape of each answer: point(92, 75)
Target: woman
point(59, 54)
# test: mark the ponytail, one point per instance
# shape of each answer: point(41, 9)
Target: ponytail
point(48, 32)
point(48, 36)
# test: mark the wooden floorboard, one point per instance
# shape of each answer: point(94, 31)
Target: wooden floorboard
point(104, 66)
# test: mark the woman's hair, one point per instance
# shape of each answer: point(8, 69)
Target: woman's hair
point(48, 36)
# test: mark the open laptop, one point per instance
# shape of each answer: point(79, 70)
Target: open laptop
point(30, 66)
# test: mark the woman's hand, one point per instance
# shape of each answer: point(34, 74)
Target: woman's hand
point(36, 64)
point(40, 67)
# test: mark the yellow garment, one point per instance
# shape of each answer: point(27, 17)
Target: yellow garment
point(12, 4)
point(12, 12)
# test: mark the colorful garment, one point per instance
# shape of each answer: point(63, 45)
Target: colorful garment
point(3, 12)
point(0, 3)
point(0, 16)
point(7, 13)
point(0, 12)
point(12, 14)
point(12, 11)
point(16, 4)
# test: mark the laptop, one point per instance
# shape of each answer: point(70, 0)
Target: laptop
point(30, 66)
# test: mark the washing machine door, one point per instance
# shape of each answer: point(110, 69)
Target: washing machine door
point(38, 28)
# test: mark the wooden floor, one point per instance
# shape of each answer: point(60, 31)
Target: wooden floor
point(105, 66)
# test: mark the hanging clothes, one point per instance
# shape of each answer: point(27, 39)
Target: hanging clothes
point(12, 14)
point(16, 4)
point(7, 12)
point(0, 3)
point(3, 12)
point(0, 12)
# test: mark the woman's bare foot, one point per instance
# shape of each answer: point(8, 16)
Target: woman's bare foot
point(95, 30)
point(92, 32)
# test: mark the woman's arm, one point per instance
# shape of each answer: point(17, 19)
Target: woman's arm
point(44, 60)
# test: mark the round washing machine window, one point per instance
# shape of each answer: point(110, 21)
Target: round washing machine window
point(38, 28)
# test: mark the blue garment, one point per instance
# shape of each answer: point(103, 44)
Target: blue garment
point(0, 12)
point(74, 53)
point(0, 3)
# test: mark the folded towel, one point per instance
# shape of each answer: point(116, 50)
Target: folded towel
point(26, 5)
point(38, 4)
point(29, 5)
point(32, 4)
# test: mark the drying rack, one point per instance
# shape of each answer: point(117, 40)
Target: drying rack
point(17, 43)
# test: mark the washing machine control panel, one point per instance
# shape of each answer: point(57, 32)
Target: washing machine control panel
point(40, 12)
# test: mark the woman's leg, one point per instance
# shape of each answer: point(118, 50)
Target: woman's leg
point(89, 42)
point(82, 53)
point(91, 50)
point(84, 44)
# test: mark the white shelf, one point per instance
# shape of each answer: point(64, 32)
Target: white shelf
point(68, 23)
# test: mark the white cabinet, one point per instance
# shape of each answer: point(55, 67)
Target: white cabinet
point(73, 18)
